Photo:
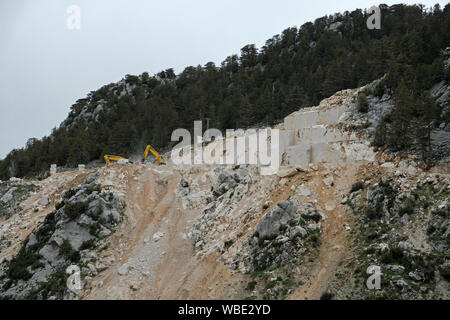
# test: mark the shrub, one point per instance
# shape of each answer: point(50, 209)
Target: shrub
point(357, 186)
point(17, 267)
point(67, 251)
point(94, 228)
point(69, 193)
point(251, 285)
point(55, 286)
point(75, 209)
point(363, 104)
point(372, 213)
point(93, 187)
point(326, 296)
point(87, 244)
point(407, 208)
point(96, 213)
point(46, 230)
point(59, 205)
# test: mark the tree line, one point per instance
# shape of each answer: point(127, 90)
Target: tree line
point(295, 69)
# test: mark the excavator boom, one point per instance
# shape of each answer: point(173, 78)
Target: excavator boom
point(149, 149)
point(108, 158)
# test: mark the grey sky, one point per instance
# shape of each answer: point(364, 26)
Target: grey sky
point(45, 68)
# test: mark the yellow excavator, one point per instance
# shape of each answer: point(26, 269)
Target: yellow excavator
point(108, 158)
point(155, 153)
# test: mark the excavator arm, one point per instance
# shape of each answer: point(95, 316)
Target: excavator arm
point(154, 152)
point(108, 158)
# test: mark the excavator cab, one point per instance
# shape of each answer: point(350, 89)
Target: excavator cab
point(149, 149)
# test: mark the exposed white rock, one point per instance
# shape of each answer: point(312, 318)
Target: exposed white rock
point(157, 236)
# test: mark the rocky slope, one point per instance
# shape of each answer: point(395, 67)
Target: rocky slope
point(208, 232)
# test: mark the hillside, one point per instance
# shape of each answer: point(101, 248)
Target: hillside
point(295, 69)
point(141, 231)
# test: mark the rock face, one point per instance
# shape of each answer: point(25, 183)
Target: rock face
point(8, 196)
point(76, 226)
point(91, 178)
point(228, 189)
point(270, 224)
point(439, 228)
point(12, 194)
point(392, 215)
point(280, 234)
point(225, 182)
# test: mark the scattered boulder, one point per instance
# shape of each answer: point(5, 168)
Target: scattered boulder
point(157, 236)
point(91, 178)
point(8, 196)
point(396, 269)
point(299, 231)
point(286, 172)
point(415, 276)
point(123, 270)
point(328, 181)
point(444, 269)
point(225, 182)
point(405, 245)
point(44, 201)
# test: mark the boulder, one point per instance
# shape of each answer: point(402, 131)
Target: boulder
point(225, 182)
point(91, 178)
point(302, 168)
point(411, 170)
point(242, 176)
point(396, 269)
point(72, 232)
point(157, 236)
point(299, 231)
point(286, 172)
point(415, 276)
point(444, 269)
point(44, 201)
point(8, 196)
point(405, 245)
point(123, 270)
point(270, 224)
point(305, 192)
point(388, 165)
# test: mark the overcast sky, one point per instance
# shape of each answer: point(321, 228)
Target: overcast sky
point(45, 67)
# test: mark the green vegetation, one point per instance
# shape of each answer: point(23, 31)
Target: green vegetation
point(363, 104)
point(67, 251)
point(408, 207)
point(55, 286)
point(88, 244)
point(69, 194)
point(74, 209)
point(357, 186)
point(94, 228)
point(17, 267)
